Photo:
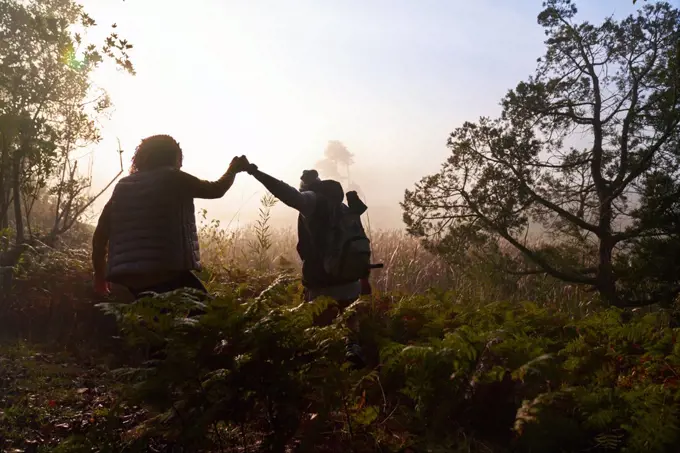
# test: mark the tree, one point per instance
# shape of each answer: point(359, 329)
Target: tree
point(335, 155)
point(580, 149)
point(328, 169)
point(48, 109)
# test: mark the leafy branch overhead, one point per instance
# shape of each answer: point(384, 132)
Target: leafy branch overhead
point(585, 152)
point(50, 110)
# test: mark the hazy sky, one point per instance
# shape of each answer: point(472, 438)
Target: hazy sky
point(276, 80)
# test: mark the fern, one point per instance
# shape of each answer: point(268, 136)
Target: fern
point(450, 375)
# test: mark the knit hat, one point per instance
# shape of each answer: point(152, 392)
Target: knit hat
point(308, 178)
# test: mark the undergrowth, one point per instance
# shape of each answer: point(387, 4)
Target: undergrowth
point(409, 268)
point(250, 372)
point(254, 373)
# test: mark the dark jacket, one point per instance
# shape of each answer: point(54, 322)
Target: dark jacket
point(312, 240)
point(316, 207)
point(152, 226)
point(148, 228)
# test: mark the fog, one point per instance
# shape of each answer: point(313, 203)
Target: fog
point(277, 82)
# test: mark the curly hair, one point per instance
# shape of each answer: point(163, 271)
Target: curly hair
point(155, 152)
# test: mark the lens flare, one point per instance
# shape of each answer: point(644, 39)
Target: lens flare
point(70, 59)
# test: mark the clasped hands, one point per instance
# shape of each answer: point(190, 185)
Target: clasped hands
point(240, 164)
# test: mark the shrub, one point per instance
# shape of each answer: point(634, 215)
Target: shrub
point(443, 376)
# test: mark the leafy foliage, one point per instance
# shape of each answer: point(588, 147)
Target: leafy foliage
point(49, 110)
point(50, 402)
point(249, 369)
point(444, 376)
point(616, 83)
point(262, 243)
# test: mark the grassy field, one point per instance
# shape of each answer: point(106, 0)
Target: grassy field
point(409, 267)
point(461, 359)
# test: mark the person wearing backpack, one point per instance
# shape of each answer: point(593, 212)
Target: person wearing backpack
point(332, 243)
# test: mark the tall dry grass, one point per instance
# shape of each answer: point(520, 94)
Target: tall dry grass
point(408, 268)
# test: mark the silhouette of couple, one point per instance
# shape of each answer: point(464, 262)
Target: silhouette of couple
point(146, 238)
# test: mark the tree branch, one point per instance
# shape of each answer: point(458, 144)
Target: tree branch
point(568, 276)
point(644, 162)
point(585, 271)
point(547, 203)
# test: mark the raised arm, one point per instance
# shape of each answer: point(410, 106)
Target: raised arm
point(199, 188)
point(304, 202)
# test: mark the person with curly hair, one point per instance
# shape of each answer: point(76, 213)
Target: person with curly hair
point(146, 238)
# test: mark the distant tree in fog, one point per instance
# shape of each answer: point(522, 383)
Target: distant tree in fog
point(327, 169)
point(336, 156)
point(337, 152)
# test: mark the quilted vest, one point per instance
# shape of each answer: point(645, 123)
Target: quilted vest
point(153, 226)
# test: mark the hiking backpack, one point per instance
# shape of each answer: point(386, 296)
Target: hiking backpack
point(347, 257)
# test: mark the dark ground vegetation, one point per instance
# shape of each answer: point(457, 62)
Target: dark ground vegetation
point(478, 339)
point(252, 374)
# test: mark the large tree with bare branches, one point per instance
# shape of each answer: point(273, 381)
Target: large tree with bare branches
point(587, 149)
